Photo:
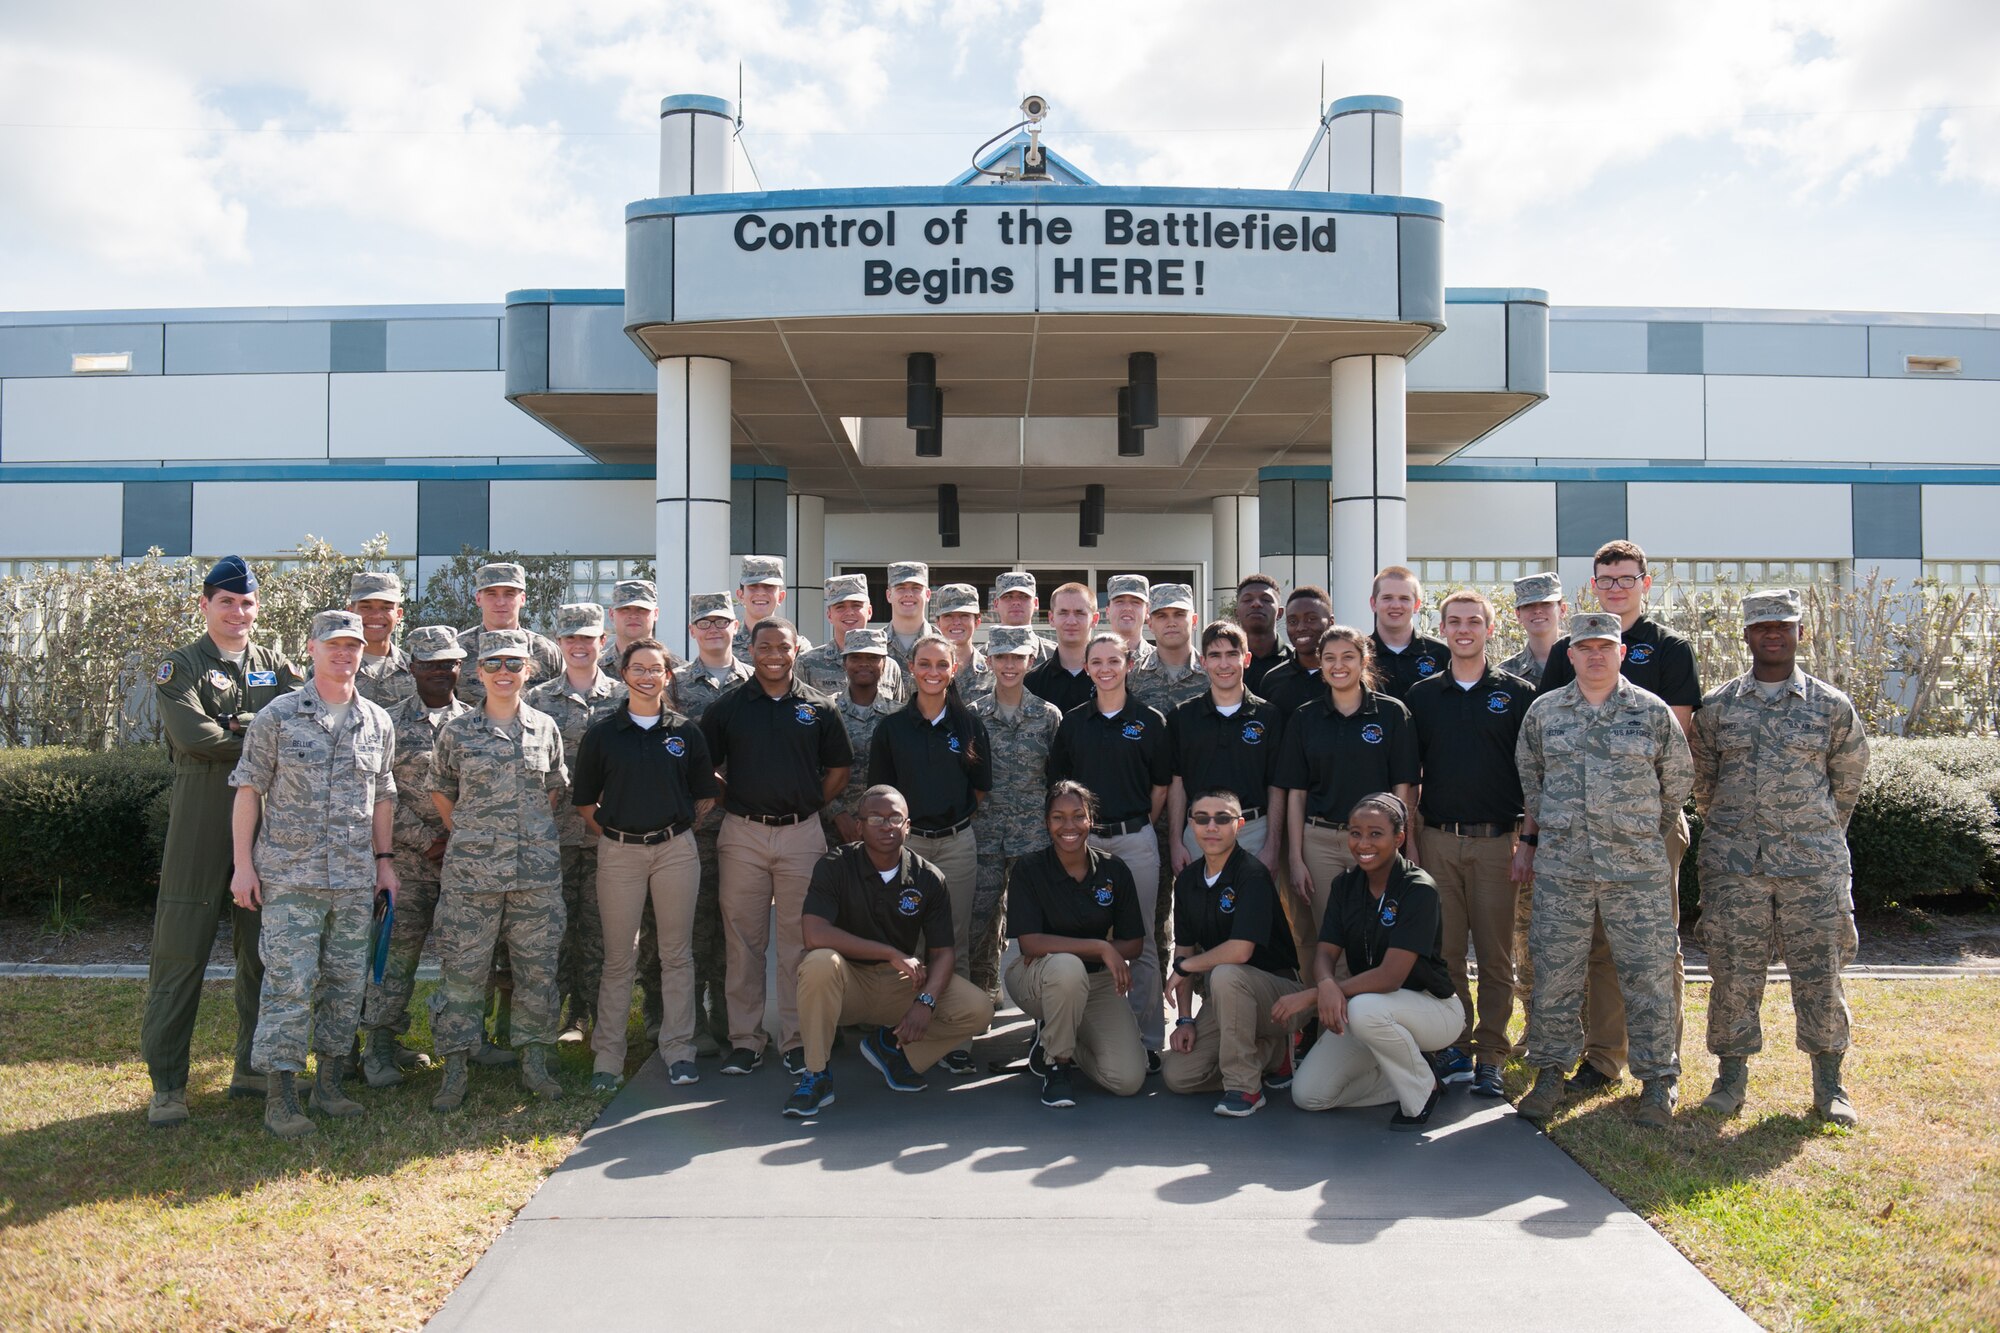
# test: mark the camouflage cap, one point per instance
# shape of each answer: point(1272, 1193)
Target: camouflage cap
point(579, 618)
point(1595, 625)
point(1015, 580)
point(703, 605)
point(909, 571)
point(503, 643)
point(1769, 604)
point(1166, 596)
point(845, 588)
point(634, 592)
point(864, 640)
point(1005, 640)
point(502, 575)
point(953, 598)
point(763, 569)
point(337, 625)
point(1126, 585)
point(1546, 586)
point(375, 585)
point(433, 643)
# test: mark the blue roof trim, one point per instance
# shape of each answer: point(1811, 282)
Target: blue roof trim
point(567, 296)
point(967, 176)
point(714, 106)
point(1494, 295)
point(579, 471)
point(1134, 196)
point(1825, 476)
point(1347, 106)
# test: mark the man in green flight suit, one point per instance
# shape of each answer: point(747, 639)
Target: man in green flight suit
point(206, 692)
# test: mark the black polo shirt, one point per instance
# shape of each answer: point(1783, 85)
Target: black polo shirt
point(1336, 759)
point(1406, 916)
point(641, 779)
point(1293, 686)
point(773, 751)
point(1255, 668)
point(1465, 739)
point(1656, 659)
point(1121, 758)
point(1044, 899)
point(1052, 681)
point(1242, 904)
point(849, 893)
point(1398, 671)
point(926, 762)
point(1237, 753)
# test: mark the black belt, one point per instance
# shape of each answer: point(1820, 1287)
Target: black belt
point(1254, 812)
point(1475, 830)
point(1119, 827)
point(1338, 826)
point(775, 821)
point(653, 839)
point(962, 824)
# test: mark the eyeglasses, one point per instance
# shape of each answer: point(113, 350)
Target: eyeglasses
point(492, 664)
point(645, 672)
point(883, 821)
point(1627, 581)
point(1204, 820)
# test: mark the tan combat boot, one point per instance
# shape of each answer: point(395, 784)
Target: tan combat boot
point(535, 1075)
point(451, 1092)
point(282, 1115)
point(1657, 1100)
point(1543, 1100)
point(378, 1062)
point(1829, 1097)
point(246, 1083)
point(1732, 1087)
point(327, 1096)
point(169, 1109)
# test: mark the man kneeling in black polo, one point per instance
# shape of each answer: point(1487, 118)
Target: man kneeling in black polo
point(868, 904)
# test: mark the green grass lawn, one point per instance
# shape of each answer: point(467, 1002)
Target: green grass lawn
point(370, 1223)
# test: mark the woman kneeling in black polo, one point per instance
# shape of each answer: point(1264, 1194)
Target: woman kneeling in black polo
point(1375, 1025)
point(1076, 915)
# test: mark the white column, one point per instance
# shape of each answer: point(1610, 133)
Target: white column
point(691, 478)
point(697, 146)
point(1367, 494)
point(1235, 527)
point(1365, 145)
point(805, 563)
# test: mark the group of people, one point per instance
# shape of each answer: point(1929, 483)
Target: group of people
point(1291, 837)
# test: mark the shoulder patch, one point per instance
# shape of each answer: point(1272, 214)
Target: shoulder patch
point(165, 673)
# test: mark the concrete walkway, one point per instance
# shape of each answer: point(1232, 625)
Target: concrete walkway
point(971, 1206)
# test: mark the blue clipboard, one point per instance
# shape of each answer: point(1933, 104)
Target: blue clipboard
point(384, 925)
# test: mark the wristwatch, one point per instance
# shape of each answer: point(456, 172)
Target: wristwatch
point(1179, 971)
point(928, 1001)
point(1529, 839)
point(385, 856)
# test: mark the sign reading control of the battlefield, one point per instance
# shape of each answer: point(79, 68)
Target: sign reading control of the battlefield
point(1036, 256)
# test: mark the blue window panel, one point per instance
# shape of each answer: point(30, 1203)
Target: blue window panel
point(158, 513)
point(444, 344)
point(252, 347)
point(1588, 514)
point(452, 514)
point(358, 344)
point(1673, 349)
point(1888, 522)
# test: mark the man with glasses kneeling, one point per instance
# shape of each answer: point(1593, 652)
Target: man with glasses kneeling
point(868, 905)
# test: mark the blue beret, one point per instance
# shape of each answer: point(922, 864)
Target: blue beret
point(231, 574)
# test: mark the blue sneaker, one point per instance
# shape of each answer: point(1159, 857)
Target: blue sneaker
point(1452, 1065)
point(890, 1062)
point(814, 1094)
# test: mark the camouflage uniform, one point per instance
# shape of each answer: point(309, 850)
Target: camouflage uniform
point(823, 669)
point(315, 859)
point(582, 953)
point(542, 652)
point(860, 721)
point(696, 687)
point(1017, 580)
point(899, 654)
point(1544, 586)
point(385, 681)
point(1524, 665)
point(1160, 686)
point(1157, 685)
point(1778, 770)
point(1605, 784)
point(502, 874)
point(387, 1002)
point(759, 569)
point(1010, 822)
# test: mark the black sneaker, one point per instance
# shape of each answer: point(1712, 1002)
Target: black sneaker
point(1055, 1087)
point(1486, 1081)
point(794, 1061)
point(813, 1095)
point(742, 1060)
point(1588, 1078)
point(959, 1063)
point(1240, 1104)
point(1409, 1124)
point(1152, 1062)
point(1038, 1056)
point(890, 1062)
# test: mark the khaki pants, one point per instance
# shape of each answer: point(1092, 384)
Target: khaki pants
point(1327, 858)
point(1140, 852)
point(1083, 1018)
point(763, 867)
point(1604, 1042)
point(1380, 1058)
point(957, 859)
point(833, 989)
point(1476, 893)
point(669, 875)
point(1235, 1039)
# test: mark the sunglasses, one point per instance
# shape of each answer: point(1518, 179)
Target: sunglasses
point(492, 664)
point(1204, 819)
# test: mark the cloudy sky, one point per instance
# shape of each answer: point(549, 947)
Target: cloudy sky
point(1835, 154)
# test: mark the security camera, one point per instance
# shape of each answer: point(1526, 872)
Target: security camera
point(1034, 107)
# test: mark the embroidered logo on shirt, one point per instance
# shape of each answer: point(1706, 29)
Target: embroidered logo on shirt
point(1225, 902)
point(1253, 733)
point(804, 715)
point(1640, 653)
point(1426, 665)
point(951, 743)
point(909, 902)
point(676, 746)
point(1133, 730)
point(261, 678)
point(164, 674)
point(1388, 913)
point(1497, 701)
point(1372, 733)
point(1103, 895)
point(219, 679)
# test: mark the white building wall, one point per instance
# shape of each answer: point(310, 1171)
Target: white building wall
point(150, 418)
point(1741, 520)
point(1635, 417)
point(270, 517)
point(67, 519)
point(584, 517)
point(1830, 420)
point(434, 414)
point(1482, 519)
point(1961, 522)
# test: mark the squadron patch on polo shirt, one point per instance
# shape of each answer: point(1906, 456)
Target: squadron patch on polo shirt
point(1640, 653)
point(1226, 900)
point(676, 746)
point(1133, 730)
point(1497, 701)
point(804, 715)
point(1372, 733)
point(910, 902)
point(1253, 733)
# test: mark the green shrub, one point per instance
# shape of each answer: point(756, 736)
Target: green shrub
point(1973, 757)
point(1919, 832)
point(81, 817)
